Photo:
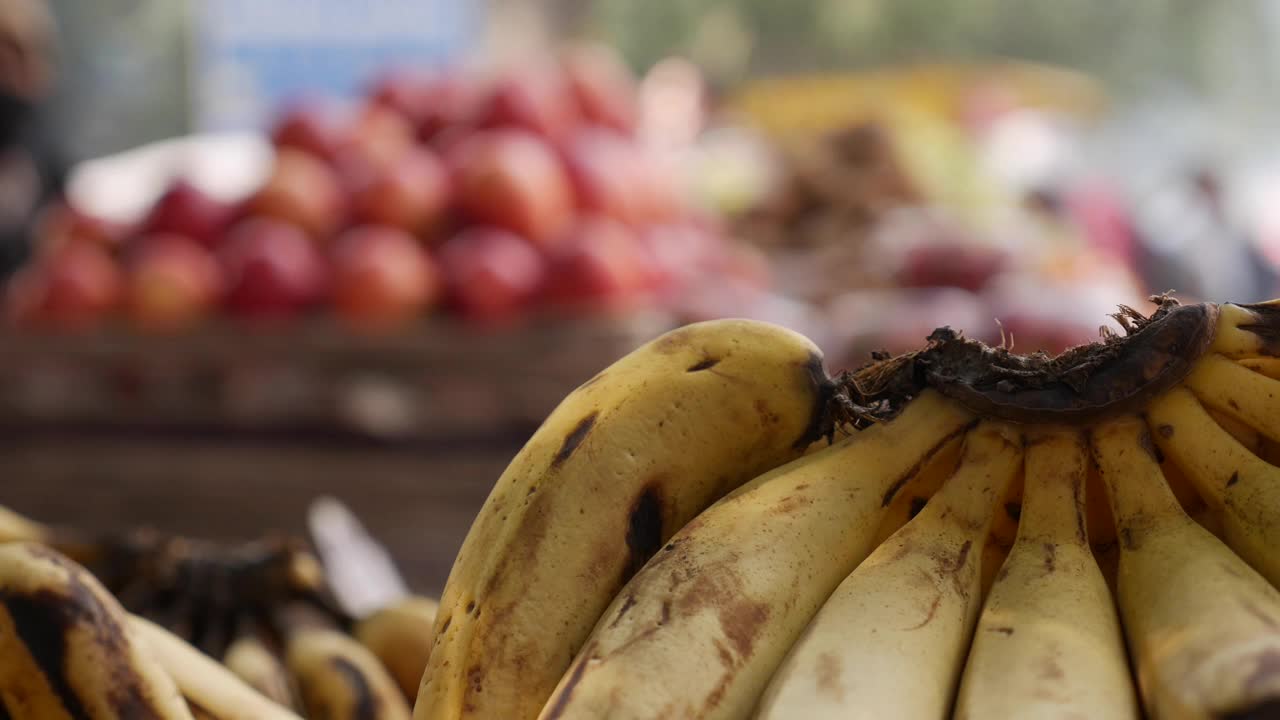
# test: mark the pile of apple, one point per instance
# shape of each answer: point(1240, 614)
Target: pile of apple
point(488, 197)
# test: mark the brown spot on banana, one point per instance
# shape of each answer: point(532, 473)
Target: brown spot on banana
point(42, 621)
point(829, 672)
point(644, 529)
point(556, 711)
point(364, 703)
point(574, 439)
point(1050, 557)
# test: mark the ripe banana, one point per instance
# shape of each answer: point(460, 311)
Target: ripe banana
point(211, 690)
point(1239, 393)
point(891, 640)
point(1247, 331)
point(249, 659)
point(1268, 366)
point(701, 628)
point(1203, 627)
point(1242, 486)
point(338, 679)
point(400, 636)
point(1048, 643)
point(15, 528)
point(66, 649)
point(622, 464)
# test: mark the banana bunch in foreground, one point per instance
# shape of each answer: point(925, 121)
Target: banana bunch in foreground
point(1091, 535)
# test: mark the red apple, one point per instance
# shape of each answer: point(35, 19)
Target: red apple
point(603, 86)
point(272, 270)
point(600, 265)
point(402, 89)
point(62, 224)
point(679, 254)
point(73, 287)
point(512, 179)
point(412, 194)
point(493, 275)
point(304, 191)
point(951, 264)
point(452, 101)
point(172, 282)
point(604, 168)
point(379, 136)
point(185, 209)
point(313, 126)
point(536, 98)
point(382, 277)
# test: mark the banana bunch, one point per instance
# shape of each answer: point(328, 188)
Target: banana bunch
point(984, 535)
point(69, 649)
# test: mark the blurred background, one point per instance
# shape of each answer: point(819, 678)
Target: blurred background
point(254, 253)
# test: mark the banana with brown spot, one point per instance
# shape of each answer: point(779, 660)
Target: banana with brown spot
point(211, 690)
point(1202, 626)
point(1048, 643)
point(622, 464)
point(1244, 488)
point(699, 631)
point(339, 679)
point(66, 648)
point(891, 640)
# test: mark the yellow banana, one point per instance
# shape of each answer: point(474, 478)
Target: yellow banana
point(701, 628)
point(211, 690)
point(1238, 392)
point(249, 659)
point(339, 679)
point(1048, 643)
point(622, 464)
point(400, 636)
point(1268, 366)
point(1202, 626)
point(15, 528)
point(1239, 484)
point(915, 494)
point(66, 649)
point(1247, 331)
point(890, 642)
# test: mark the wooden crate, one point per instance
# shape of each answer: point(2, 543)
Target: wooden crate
point(227, 434)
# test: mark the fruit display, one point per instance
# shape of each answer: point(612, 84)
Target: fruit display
point(715, 527)
point(486, 195)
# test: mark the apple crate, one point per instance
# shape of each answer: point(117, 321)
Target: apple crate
point(439, 378)
point(228, 434)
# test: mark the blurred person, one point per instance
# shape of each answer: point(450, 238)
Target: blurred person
point(31, 173)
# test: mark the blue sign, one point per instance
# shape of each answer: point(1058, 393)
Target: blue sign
point(252, 56)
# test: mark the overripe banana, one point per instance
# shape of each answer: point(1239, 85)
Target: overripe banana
point(700, 629)
point(339, 679)
point(1203, 627)
point(400, 636)
point(890, 642)
point(622, 464)
point(1048, 643)
point(66, 648)
point(249, 659)
point(210, 689)
point(1245, 488)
